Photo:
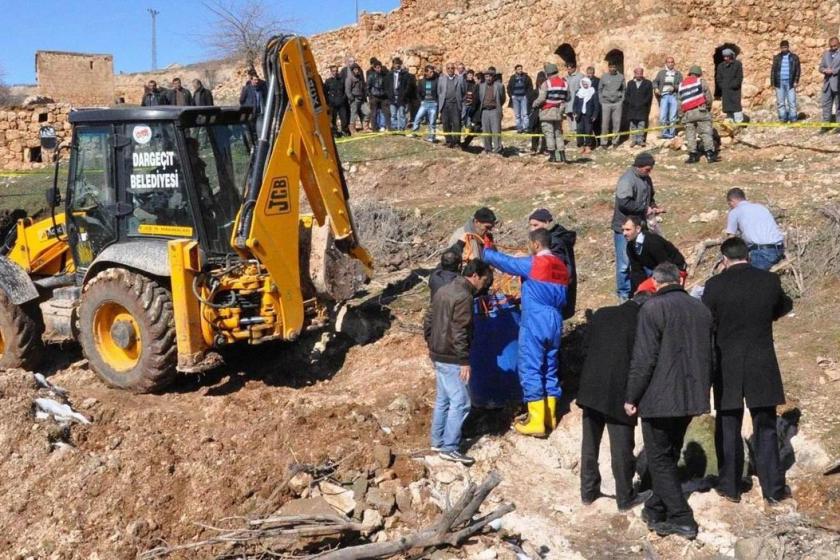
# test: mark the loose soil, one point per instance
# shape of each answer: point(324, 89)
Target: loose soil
point(150, 467)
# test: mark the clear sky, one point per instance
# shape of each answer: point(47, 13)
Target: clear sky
point(123, 28)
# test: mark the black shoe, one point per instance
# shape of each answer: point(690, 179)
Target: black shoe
point(636, 500)
point(651, 517)
point(665, 528)
point(589, 500)
point(711, 156)
point(693, 157)
point(456, 457)
point(551, 158)
point(785, 495)
point(727, 497)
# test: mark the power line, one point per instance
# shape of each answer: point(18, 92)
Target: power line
point(154, 13)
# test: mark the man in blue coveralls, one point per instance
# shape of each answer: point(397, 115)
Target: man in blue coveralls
point(544, 281)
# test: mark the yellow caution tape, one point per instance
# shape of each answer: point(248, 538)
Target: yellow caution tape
point(466, 133)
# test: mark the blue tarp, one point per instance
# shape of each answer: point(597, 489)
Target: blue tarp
point(494, 382)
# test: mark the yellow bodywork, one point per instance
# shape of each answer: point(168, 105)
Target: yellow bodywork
point(41, 248)
point(260, 295)
point(303, 154)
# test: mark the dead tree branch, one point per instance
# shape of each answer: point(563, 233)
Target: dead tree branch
point(445, 532)
point(297, 527)
point(699, 250)
point(452, 528)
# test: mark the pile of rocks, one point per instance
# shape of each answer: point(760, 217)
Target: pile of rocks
point(394, 497)
point(20, 146)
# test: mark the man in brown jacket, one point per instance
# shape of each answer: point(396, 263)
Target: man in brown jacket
point(448, 329)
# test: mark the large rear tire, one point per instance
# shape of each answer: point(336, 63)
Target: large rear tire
point(21, 329)
point(127, 330)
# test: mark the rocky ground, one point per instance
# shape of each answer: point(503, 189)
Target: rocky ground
point(348, 414)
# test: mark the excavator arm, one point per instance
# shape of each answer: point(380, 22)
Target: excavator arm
point(295, 149)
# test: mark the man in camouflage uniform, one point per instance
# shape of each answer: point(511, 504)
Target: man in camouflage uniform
point(695, 109)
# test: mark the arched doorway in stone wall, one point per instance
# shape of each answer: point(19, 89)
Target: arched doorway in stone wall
point(615, 56)
point(567, 53)
point(717, 58)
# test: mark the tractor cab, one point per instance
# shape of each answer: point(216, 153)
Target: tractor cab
point(155, 173)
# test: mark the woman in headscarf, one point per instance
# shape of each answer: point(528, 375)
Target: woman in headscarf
point(587, 109)
point(537, 138)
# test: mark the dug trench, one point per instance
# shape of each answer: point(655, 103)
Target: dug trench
point(354, 408)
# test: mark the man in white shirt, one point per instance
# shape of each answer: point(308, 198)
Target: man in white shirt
point(754, 223)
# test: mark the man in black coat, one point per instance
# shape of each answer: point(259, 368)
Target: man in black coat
point(669, 382)
point(609, 346)
point(337, 101)
point(729, 76)
point(563, 245)
point(400, 92)
point(202, 97)
point(638, 97)
point(744, 302)
point(647, 250)
point(152, 95)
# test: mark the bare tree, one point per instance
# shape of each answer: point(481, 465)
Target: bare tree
point(5, 93)
point(240, 28)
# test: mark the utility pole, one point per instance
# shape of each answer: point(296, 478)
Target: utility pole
point(357, 12)
point(154, 13)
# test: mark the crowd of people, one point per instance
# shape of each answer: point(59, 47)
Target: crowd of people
point(601, 111)
point(654, 357)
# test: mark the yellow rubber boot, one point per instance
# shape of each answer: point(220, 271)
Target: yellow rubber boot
point(551, 413)
point(534, 424)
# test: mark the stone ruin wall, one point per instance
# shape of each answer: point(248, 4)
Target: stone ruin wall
point(20, 145)
point(502, 33)
point(85, 80)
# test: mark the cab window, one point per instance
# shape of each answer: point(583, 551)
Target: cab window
point(156, 187)
point(91, 196)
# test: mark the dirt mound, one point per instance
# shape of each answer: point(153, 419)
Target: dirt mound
point(148, 466)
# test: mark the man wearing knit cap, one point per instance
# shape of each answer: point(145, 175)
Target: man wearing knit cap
point(563, 245)
point(469, 239)
point(728, 78)
point(634, 196)
point(695, 109)
point(551, 101)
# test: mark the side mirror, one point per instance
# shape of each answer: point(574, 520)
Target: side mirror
point(49, 140)
point(53, 196)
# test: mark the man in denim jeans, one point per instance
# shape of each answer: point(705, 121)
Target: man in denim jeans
point(784, 76)
point(427, 91)
point(448, 329)
point(754, 223)
point(519, 90)
point(665, 87)
point(634, 196)
point(398, 86)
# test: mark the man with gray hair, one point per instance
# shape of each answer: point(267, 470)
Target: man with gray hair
point(637, 100)
point(665, 87)
point(830, 69)
point(669, 384)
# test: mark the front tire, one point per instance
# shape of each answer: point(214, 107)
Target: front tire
point(21, 329)
point(127, 330)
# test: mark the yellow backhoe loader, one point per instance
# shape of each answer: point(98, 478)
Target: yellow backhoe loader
point(181, 232)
